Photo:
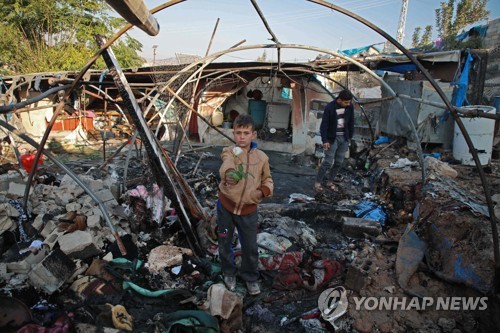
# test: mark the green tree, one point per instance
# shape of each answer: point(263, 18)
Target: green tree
point(424, 42)
point(415, 38)
point(58, 35)
point(452, 16)
point(450, 19)
point(427, 36)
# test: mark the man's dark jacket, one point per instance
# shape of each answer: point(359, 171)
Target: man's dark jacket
point(328, 128)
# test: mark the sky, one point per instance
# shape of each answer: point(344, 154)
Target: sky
point(187, 27)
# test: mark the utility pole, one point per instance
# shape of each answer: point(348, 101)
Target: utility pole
point(400, 35)
point(154, 54)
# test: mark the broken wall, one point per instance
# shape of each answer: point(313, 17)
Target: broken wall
point(303, 93)
point(492, 79)
point(430, 122)
point(35, 121)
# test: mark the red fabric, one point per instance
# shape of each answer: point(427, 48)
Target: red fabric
point(288, 280)
point(28, 160)
point(314, 314)
point(282, 261)
point(62, 325)
point(324, 270)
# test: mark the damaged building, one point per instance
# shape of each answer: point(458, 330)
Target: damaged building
point(109, 186)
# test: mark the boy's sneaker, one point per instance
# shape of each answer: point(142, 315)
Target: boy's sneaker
point(230, 282)
point(253, 288)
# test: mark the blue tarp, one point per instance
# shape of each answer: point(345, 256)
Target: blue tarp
point(478, 30)
point(411, 251)
point(371, 211)
point(355, 51)
point(400, 68)
point(459, 96)
point(459, 270)
point(460, 92)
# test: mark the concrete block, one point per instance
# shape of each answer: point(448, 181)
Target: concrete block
point(357, 228)
point(73, 207)
point(67, 181)
point(10, 210)
point(166, 256)
point(87, 204)
point(51, 273)
point(94, 221)
point(66, 195)
point(97, 211)
point(357, 276)
point(18, 267)
point(34, 258)
point(48, 207)
point(4, 275)
point(96, 184)
point(6, 223)
point(110, 205)
point(46, 191)
point(4, 182)
point(115, 189)
point(53, 237)
point(9, 177)
point(25, 265)
point(16, 190)
point(48, 229)
point(78, 244)
point(106, 196)
point(38, 223)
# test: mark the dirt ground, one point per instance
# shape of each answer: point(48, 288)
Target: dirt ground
point(396, 190)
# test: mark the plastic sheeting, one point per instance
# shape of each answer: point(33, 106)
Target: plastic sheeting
point(371, 211)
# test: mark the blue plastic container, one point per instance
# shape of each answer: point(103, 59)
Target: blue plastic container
point(382, 139)
point(257, 109)
point(496, 103)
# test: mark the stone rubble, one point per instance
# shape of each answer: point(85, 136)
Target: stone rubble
point(367, 250)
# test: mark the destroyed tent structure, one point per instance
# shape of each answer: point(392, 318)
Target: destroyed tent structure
point(287, 114)
point(414, 205)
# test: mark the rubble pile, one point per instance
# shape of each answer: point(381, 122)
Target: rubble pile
point(381, 234)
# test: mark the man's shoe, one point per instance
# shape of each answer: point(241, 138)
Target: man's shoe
point(253, 288)
point(230, 282)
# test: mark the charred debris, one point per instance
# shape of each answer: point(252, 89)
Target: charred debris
point(108, 187)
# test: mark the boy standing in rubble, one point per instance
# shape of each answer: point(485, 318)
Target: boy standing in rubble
point(245, 180)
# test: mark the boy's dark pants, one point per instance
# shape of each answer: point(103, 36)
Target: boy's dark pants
point(247, 233)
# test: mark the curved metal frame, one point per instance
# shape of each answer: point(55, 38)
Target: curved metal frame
point(329, 5)
point(209, 59)
point(482, 176)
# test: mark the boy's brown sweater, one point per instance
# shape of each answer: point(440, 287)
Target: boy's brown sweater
point(243, 197)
